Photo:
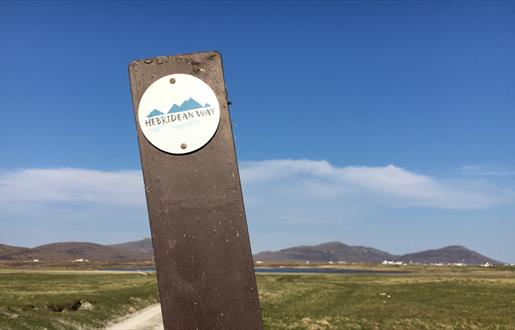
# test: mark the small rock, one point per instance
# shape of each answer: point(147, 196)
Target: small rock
point(323, 322)
point(86, 305)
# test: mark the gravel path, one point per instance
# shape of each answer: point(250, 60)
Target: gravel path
point(149, 318)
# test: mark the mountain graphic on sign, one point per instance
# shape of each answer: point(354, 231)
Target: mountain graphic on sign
point(155, 113)
point(189, 104)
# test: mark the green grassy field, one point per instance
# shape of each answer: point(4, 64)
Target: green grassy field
point(427, 298)
point(70, 299)
point(482, 300)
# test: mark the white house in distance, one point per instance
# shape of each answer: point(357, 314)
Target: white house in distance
point(388, 262)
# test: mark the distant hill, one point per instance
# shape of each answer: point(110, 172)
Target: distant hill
point(69, 251)
point(332, 251)
point(11, 250)
point(337, 251)
point(141, 246)
point(449, 254)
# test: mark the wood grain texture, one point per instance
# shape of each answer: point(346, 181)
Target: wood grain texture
point(201, 245)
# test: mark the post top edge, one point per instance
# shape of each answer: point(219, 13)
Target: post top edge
point(166, 57)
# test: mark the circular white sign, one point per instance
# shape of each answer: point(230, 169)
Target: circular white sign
point(179, 113)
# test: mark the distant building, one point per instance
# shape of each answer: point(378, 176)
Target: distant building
point(388, 262)
point(35, 260)
point(259, 262)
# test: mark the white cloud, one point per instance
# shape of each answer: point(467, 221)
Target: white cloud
point(312, 182)
point(46, 205)
point(72, 185)
point(278, 191)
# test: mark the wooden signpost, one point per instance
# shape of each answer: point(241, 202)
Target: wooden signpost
point(201, 245)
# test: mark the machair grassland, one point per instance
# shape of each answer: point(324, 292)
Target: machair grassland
point(52, 299)
point(425, 298)
point(451, 300)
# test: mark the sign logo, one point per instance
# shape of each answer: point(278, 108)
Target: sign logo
point(179, 113)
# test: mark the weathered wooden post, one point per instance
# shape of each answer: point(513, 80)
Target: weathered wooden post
point(201, 245)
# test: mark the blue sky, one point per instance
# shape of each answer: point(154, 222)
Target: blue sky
point(388, 124)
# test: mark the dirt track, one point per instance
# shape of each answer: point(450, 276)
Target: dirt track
point(146, 319)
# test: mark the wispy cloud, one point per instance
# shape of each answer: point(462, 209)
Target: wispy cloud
point(71, 185)
point(44, 205)
point(276, 191)
point(478, 170)
point(388, 186)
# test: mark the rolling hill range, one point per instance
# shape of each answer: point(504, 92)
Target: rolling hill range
point(11, 250)
point(333, 251)
point(68, 251)
point(337, 251)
